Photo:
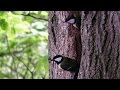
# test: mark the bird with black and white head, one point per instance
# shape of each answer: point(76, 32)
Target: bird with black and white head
point(66, 63)
point(75, 21)
point(58, 59)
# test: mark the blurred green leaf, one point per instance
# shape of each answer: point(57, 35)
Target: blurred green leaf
point(23, 45)
point(28, 19)
point(3, 24)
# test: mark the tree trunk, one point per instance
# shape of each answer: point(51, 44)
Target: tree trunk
point(96, 45)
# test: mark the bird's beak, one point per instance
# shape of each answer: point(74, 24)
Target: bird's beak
point(50, 59)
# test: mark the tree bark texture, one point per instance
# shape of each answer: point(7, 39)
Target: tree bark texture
point(100, 35)
point(96, 45)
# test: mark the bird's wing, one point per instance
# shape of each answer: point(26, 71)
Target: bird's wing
point(69, 68)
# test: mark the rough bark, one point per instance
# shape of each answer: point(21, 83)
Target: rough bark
point(100, 34)
point(100, 40)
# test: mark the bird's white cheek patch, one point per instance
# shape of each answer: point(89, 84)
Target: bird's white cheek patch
point(58, 59)
point(71, 21)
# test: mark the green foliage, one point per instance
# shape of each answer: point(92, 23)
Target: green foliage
point(23, 45)
point(3, 24)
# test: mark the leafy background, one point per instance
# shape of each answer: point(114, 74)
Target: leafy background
point(23, 45)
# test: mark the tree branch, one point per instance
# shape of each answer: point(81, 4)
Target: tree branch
point(8, 53)
point(13, 55)
point(34, 17)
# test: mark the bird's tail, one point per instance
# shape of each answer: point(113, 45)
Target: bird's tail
point(76, 74)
